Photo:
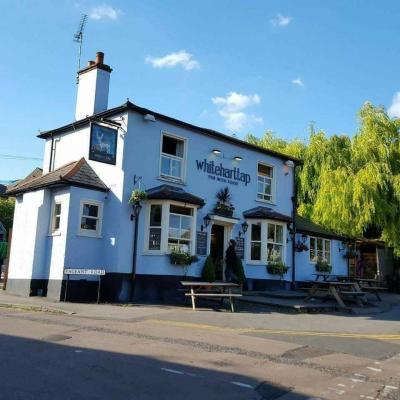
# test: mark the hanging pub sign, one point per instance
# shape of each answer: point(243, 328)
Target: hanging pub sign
point(240, 247)
point(103, 144)
point(201, 243)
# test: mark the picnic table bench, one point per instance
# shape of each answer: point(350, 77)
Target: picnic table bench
point(212, 290)
point(370, 285)
point(337, 289)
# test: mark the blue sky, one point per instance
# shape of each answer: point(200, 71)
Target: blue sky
point(235, 66)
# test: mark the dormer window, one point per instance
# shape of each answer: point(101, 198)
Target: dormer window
point(172, 157)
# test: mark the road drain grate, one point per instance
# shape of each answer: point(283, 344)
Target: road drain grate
point(56, 338)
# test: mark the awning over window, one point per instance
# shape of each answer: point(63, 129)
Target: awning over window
point(266, 213)
point(168, 192)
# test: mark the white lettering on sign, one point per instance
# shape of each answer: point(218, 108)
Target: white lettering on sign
point(84, 271)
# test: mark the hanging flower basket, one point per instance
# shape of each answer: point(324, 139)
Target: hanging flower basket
point(224, 210)
point(300, 246)
point(277, 268)
point(182, 258)
point(137, 196)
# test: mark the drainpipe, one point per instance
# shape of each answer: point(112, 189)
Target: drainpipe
point(294, 211)
point(51, 152)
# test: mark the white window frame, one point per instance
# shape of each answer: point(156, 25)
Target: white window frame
point(165, 204)
point(52, 229)
point(273, 183)
point(324, 251)
point(264, 240)
point(182, 178)
point(88, 232)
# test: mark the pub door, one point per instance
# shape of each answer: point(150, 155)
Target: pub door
point(217, 249)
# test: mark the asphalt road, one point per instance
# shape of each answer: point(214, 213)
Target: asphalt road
point(169, 353)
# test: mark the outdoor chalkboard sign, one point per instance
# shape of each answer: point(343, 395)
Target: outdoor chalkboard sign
point(201, 243)
point(240, 247)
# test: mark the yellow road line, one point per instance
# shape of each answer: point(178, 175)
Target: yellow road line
point(374, 336)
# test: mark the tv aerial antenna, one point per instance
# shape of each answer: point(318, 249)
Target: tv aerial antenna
point(78, 37)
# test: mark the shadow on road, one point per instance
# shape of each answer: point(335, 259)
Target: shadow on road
point(41, 369)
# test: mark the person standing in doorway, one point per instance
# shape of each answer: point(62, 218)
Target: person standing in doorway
point(230, 262)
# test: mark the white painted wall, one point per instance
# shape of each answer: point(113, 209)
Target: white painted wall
point(30, 229)
point(92, 94)
point(57, 242)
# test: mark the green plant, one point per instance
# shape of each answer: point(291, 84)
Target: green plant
point(3, 250)
point(323, 266)
point(182, 258)
point(224, 195)
point(137, 195)
point(208, 273)
point(239, 271)
point(277, 268)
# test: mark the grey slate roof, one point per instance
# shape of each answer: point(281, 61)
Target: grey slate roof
point(77, 173)
point(168, 192)
point(128, 106)
point(261, 212)
point(304, 225)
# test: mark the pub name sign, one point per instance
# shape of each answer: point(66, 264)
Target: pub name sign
point(222, 174)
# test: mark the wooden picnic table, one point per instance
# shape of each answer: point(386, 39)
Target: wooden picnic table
point(369, 285)
point(211, 289)
point(328, 277)
point(337, 290)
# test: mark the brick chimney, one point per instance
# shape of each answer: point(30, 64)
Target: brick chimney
point(93, 84)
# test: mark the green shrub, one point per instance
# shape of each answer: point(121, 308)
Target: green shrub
point(239, 271)
point(209, 273)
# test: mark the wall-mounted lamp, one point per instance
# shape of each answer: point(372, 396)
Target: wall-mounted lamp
point(288, 164)
point(207, 220)
point(219, 153)
point(245, 226)
point(149, 117)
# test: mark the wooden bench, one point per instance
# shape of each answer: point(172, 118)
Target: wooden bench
point(230, 296)
point(219, 290)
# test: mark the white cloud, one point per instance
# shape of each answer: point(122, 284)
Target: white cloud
point(394, 109)
point(281, 20)
point(172, 60)
point(232, 109)
point(104, 11)
point(298, 82)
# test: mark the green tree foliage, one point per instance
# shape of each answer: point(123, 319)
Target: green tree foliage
point(350, 184)
point(209, 273)
point(7, 212)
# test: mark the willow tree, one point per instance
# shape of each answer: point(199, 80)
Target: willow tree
point(350, 185)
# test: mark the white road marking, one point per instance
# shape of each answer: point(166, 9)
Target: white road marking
point(341, 384)
point(374, 369)
point(241, 384)
point(357, 380)
point(360, 375)
point(173, 371)
point(339, 392)
point(78, 351)
point(391, 387)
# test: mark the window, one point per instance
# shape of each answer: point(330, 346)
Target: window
point(170, 227)
point(255, 248)
point(266, 242)
point(275, 242)
point(155, 227)
point(320, 250)
point(180, 225)
point(90, 218)
point(265, 178)
point(172, 157)
point(56, 219)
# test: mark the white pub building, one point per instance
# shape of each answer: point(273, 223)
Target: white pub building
point(75, 212)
